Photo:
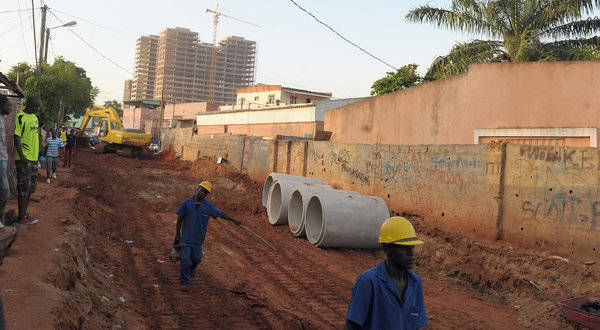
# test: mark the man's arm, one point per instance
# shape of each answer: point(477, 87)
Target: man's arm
point(227, 217)
point(351, 325)
point(177, 239)
point(19, 148)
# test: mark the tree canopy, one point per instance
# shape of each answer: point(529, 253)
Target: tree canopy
point(115, 105)
point(61, 84)
point(404, 78)
point(521, 31)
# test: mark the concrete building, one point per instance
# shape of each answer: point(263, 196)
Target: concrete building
point(299, 120)
point(176, 66)
point(127, 92)
point(144, 71)
point(142, 118)
point(184, 114)
point(550, 103)
point(263, 96)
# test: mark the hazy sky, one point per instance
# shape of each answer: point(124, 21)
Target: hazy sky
point(294, 50)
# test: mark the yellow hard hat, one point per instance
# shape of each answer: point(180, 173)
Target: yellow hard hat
point(206, 185)
point(398, 230)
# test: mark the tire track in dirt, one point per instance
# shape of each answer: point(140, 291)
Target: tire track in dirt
point(163, 305)
point(313, 291)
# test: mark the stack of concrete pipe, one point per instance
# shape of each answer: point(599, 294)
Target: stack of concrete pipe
point(328, 217)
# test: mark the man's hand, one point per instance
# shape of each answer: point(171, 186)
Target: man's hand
point(237, 223)
point(24, 161)
point(176, 241)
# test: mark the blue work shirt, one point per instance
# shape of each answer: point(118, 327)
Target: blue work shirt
point(376, 304)
point(195, 219)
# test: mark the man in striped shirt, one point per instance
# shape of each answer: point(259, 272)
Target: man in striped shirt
point(52, 145)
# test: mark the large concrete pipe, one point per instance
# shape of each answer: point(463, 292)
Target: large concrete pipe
point(297, 206)
point(279, 198)
point(273, 176)
point(339, 220)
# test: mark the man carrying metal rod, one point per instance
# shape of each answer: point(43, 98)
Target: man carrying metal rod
point(192, 222)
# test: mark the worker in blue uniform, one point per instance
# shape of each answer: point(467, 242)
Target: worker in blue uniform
point(192, 221)
point(390, 295)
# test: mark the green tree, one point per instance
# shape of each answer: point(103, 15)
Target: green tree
point(404, 78)
point(63, 87)
point(522, 31)
point(115, 105)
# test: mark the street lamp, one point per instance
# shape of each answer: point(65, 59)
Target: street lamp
point(72, 23)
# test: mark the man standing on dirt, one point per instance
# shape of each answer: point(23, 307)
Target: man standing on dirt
point(390, 295)
point(69, 148)
point(192, 222)
point(5, 108)
point(27, 149)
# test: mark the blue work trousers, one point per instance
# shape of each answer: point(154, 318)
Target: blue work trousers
point(191, 256)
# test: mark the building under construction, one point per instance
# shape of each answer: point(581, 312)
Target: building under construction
point(176, 66)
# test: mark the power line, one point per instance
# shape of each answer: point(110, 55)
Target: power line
point(96, 24)
point(341, 36)
point(92, 47)
point(14, 10)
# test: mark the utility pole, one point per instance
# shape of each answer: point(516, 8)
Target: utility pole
point(42, 38)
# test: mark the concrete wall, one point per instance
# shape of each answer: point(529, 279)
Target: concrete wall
point(491, 95)
point(136, 117)
point(538, 196)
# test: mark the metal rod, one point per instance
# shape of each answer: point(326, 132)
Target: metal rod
point(547, 295)
point(563, 285)
point(260, 238)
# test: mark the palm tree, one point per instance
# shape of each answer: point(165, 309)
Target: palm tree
point(525, 31)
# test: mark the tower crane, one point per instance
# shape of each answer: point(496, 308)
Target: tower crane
point(213, 54)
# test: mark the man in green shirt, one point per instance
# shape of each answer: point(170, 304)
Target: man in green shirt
point(27, 149)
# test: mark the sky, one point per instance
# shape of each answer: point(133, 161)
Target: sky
point(293, 49)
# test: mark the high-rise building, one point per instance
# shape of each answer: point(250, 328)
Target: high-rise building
point(127, 92)
point(144, 71)
point(182, 67)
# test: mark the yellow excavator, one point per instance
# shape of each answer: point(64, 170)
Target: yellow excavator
point(128, 142)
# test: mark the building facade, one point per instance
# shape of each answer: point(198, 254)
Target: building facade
point(180, 70)
point(264, 96)
point(144, 71)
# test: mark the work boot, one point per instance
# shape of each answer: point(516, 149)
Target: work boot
point(184, 287)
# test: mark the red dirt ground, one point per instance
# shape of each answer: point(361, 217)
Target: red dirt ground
point(99, 259)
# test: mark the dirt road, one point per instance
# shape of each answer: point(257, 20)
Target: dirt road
point(98, 259)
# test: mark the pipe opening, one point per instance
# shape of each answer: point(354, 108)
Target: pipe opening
point(313, 221)
point(295, 211)
point(275, 203)
point(266, 188)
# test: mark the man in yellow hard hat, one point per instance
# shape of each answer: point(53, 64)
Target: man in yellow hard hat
point(390, 295)
point(192, 222)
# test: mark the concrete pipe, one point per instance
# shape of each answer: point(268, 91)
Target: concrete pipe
point(347, 221)
point(297, 203)
point(279, 198)
point(273, 176)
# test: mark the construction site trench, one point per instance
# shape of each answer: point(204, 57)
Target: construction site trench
point(98, 259)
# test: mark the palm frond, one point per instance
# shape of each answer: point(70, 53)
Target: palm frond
point(575, 43)
point(462, 55)
point(580, 28)
point(583, 53)
point(456, 21)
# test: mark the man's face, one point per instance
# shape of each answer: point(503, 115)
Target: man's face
point(33, 104)
point(402, 256)
point(5, 107)
point(201, 193)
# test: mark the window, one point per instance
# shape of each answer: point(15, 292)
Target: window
point(292, 100)
point(242, 102)
point(308, 100)
point(271, 98)
point(256, 98)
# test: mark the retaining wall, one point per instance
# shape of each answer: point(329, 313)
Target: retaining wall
point(539, 196)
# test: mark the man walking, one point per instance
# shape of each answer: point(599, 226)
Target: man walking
point(27, 149)
point(390, 295)
point(5, 108)
point(192, 221)
point(69, 148)
point(52, 145)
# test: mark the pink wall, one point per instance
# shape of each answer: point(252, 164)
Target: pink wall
point(187, 110)
point(491, 95)
point(136, 118)
point(265, 130)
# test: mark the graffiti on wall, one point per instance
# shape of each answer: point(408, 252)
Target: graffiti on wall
point(558, 184)
point(346, 160)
